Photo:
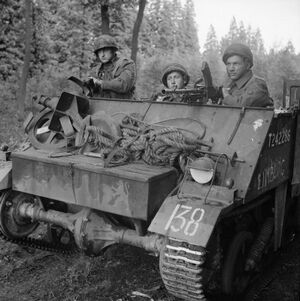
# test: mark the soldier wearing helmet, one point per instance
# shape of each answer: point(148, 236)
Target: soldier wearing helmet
point(174, 77)
point(243, 88)
point(115, 76)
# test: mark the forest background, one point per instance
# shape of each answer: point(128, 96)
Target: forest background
point(57, 39)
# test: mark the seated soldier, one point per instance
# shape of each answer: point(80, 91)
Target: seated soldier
point(115, 76)
point(174, 77)
point(243, 88)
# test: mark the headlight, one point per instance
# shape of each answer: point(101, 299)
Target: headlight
point(202, 170)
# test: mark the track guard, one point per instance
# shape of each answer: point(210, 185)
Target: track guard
point(189, 219)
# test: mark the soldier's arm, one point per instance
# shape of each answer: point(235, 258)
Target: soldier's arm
point(124, 79)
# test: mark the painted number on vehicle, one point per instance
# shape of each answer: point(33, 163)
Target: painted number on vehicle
point(187, 219)
point(279, 137)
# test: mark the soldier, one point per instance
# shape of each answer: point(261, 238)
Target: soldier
point(243, 88)
point(116, 76)
point(174, 77)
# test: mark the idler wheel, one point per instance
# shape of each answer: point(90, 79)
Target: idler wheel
point(12, 224)
point(234, 277)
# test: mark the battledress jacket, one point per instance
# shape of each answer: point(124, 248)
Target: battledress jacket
point(118, 78)
point(250, 90)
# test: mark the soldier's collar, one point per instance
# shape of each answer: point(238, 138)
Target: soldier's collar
point(244, 79)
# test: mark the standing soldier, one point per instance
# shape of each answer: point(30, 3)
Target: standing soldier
point(116, 76)
point(243, 88)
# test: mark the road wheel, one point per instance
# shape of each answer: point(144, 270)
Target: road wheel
point(12, 224)
point(234, 276)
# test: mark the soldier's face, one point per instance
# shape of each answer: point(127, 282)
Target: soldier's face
point(105, 54)
point(175, 80)
point(236, 67)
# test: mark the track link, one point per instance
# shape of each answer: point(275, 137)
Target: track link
point(41, 244)
point(8, 235)
point(181, 268)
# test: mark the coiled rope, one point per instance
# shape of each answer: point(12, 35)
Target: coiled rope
point(155, 145)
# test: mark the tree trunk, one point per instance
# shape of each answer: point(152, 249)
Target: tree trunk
point(136, 29)
point(104, 19)
point(82, 43)
point(25, 71)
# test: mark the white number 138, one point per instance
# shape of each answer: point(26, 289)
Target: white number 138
point(187, 219)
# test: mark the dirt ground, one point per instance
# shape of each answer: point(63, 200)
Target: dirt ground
point(123, 273)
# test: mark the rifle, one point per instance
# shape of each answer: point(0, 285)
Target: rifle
point(213, 92)
point(201, 93)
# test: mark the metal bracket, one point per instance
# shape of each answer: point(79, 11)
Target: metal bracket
point(242, 114)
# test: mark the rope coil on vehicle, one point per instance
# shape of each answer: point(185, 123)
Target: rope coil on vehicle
point(155, 145)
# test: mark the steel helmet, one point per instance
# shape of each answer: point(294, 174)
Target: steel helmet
point(238, 49)
point(175, 67)
point(105, 41)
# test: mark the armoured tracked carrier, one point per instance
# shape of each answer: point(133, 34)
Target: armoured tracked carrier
point(210, 189)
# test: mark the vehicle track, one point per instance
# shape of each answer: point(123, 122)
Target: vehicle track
point(280, 279)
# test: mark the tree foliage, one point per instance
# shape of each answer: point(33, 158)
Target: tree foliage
point(11, 43)
point(64, 31)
